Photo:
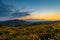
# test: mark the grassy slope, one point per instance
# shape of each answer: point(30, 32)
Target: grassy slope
point(32, 32)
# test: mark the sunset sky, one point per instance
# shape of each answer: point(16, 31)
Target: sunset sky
point(30, 9)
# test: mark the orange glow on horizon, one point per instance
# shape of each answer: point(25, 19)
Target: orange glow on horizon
point(46, 17)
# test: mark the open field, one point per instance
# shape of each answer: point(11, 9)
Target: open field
point(48, 31)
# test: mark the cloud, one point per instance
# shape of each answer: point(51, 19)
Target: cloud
point(20, 14)
point(8, 12)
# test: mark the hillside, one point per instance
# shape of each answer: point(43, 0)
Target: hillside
point(48, 31)
point(24, 22)
point(14, 22)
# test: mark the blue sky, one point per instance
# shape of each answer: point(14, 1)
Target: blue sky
point(40, 9)
point(34, 4)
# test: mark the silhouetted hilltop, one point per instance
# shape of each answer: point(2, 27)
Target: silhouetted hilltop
point(14, 22)
point(24, 23)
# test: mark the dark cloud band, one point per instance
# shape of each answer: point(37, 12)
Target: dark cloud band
point(6, 11)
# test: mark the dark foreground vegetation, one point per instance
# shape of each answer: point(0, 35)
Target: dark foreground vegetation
point(48, 31)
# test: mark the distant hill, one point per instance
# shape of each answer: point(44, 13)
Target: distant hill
point(24, 23)
point(15, 22)
point(35, 20)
